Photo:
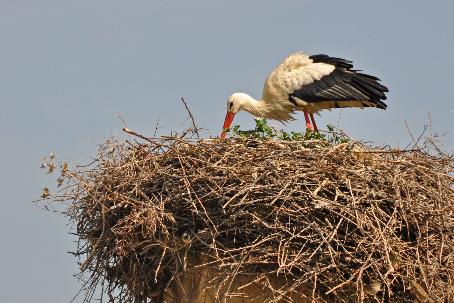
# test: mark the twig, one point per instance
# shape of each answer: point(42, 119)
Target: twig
point(196, 130)
point(415, 142)
point(156, 128)
point(133, 133)
point(122, 120)
point(397, 151)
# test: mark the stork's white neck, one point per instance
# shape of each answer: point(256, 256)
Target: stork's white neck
point(255, 107)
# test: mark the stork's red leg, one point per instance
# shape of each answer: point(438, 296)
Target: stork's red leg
point(308, 123)
point(313, 122)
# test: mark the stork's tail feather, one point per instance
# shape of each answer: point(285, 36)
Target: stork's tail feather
point(377, 103)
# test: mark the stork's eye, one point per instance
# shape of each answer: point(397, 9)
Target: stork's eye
point(230, 105)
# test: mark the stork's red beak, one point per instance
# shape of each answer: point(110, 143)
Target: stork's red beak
point(227, 123)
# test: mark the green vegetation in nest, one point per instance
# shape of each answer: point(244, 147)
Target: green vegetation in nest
point(264, 131)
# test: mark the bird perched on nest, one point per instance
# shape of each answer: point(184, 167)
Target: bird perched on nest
point(309, 84)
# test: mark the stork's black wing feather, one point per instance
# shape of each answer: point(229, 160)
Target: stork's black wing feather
point(339, 62)
point(342, 84)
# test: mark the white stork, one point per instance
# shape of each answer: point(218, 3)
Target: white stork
point(310, 84)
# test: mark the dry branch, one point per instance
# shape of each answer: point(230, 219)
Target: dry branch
point(195, 128)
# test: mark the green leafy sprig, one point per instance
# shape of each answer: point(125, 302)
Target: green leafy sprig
point(263, 131)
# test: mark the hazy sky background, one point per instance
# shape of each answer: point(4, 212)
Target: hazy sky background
point(69, 68)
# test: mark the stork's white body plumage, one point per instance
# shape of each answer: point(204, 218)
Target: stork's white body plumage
point(310, 84)
point(293, 73)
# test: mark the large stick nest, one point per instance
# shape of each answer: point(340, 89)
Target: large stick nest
point(345, 223)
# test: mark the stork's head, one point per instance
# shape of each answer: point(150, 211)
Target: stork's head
point(236, 102)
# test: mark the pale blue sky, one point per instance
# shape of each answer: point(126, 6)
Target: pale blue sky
point(69, 68)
